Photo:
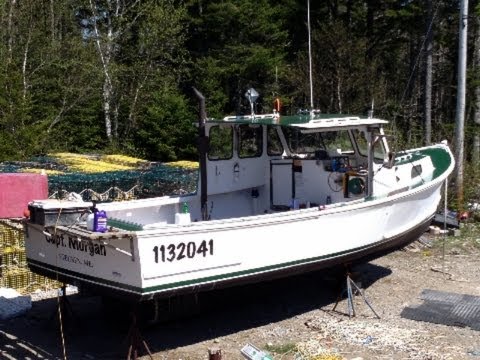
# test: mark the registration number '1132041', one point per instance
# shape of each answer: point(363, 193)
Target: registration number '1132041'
point(176, 252)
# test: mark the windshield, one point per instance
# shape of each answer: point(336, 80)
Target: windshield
point(378, 148)
point(308, 143)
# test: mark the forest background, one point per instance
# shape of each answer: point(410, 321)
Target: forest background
point(117, 75)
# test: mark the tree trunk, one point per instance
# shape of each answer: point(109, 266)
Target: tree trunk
point(107, 99)
point(339, 93)
point(105, 56)
point(24, 65)
point(428, 75)
point(370, 17)
point(9, 29)
point(52, 20)
point(460, 111)
point(476, 117)
point(133, 106)
point(349, 15)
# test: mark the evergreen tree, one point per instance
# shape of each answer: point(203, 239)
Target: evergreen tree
point(237, 45)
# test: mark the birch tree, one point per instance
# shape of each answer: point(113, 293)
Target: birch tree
point(129, 55)
point(460, 111)
point(106, 21)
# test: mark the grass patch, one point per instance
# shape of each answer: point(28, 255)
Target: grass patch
point(468, 242)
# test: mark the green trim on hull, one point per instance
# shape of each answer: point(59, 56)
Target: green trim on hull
point(441, 159)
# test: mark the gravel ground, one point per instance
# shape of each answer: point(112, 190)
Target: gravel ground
point(292, 318)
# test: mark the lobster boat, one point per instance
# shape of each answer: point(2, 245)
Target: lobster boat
point(277, 195)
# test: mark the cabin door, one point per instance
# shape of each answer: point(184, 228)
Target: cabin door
point(281, 183)
point(235, 158)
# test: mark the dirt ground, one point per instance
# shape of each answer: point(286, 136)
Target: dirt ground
point(291, 318)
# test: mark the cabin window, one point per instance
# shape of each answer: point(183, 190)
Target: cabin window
point(378, 149)
point(274, 145)
point(361, 141)
point(309, 142)
point(221, 143)
point(250, 141)
point(303, 143)
point(338, 142)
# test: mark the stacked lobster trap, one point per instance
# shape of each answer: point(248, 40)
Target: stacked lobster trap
point(14, 272)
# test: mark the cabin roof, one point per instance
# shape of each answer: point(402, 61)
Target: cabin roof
point(317, 121)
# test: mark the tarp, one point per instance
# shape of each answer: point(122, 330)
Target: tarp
point(17, 190)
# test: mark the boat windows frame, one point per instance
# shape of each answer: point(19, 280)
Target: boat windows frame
point(238, 147)
point(352, 151)
point(294, 152)
point(209, 128)
point(279, 135)
point(381, 140)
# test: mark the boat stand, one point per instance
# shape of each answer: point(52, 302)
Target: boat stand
point(135, 339)
point(350, 285)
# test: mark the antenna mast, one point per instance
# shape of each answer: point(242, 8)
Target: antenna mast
point(310, 56)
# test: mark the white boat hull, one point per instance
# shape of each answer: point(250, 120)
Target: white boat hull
point(206, 255)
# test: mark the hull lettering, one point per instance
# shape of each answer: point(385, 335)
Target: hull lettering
point(87, 247)
point(180, 251)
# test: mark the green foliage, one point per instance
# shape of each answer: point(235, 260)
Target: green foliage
point(467, 243)
point(164, 131)
point(471, 182)
point(57, 58)
point(237, 45)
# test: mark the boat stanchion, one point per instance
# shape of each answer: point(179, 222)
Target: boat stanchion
point(348, 289)
point(135, 339)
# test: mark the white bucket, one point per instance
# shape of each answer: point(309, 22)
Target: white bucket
point(182, 218)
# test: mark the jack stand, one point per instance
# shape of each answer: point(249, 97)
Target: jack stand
point(351, 309)
point(135, 339)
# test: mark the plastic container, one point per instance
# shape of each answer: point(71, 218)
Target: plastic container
point(90, 219)
point(182, 219)
point(100, 221)
point(97, 221)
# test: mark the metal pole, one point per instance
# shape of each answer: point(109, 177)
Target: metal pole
point(444, 224)
point(202, 150)
point(310, 55)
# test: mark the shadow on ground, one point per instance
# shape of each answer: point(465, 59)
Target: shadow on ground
point(90, 334)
